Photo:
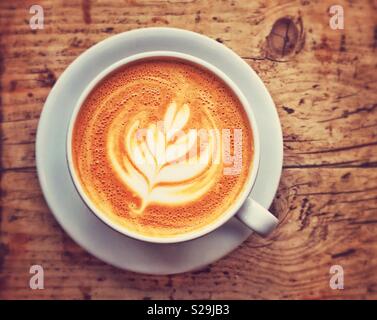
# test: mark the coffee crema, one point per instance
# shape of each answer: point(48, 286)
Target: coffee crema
point(152, 144)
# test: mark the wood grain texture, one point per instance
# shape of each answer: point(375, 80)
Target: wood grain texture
point(324, 84)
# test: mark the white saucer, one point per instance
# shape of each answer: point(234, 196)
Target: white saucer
point(68, 208)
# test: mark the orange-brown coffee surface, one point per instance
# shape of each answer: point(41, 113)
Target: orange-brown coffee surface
point(149, 146)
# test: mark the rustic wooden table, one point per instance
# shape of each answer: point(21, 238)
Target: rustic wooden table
point(324, 84)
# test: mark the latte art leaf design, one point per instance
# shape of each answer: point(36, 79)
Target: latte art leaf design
point(161, 164)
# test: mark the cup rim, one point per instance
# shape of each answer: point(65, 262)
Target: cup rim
point(225, 216)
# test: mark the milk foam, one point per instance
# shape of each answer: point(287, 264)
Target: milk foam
point(158, 166)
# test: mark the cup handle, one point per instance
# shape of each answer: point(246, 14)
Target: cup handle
point(257, 217)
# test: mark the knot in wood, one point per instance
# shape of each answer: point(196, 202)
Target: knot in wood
point(283, 38)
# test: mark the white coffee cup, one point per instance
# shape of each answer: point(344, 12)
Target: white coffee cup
point(245, 209)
